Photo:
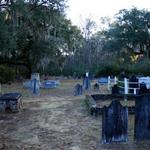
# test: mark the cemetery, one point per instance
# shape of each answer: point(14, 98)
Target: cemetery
point(74, 86)
point(56, 117)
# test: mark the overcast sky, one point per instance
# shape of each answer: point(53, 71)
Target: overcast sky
point(79, 10)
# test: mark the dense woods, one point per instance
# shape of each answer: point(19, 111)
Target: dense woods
point(35, 36)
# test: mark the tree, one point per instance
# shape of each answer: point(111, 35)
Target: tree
point(35, 33)
point(130, 31)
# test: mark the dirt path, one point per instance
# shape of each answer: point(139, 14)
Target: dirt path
point(54, 121)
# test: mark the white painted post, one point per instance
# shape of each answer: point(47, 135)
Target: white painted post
point(108, 82)
point(115, 80)
point(125, 86)
point(134, 91)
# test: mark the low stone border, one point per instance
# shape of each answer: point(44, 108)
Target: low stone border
point(94, 109)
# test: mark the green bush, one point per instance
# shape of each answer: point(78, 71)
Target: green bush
point(113, 68)
point(7, 74)
point(108, 69)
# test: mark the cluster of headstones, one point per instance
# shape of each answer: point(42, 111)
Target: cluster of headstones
point(34, 84)
point(86, 85)
point(115, 121)
point(78, 89)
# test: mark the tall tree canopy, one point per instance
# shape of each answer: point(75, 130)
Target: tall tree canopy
point(131, 30)
point(35, 33)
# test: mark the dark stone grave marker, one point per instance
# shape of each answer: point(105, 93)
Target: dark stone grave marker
point(96, 86)
point(35, 86)
point(86, 83)
point(35, 83)
point(142, 118)
point(78, 89)
point(115, 89)
point(143, 89)
point(114, 123)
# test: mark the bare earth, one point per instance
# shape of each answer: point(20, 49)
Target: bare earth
point(56, 120)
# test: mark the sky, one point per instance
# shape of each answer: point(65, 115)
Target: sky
point(79, 10)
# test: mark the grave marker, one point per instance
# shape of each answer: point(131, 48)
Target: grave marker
point(142, 118)
point(35, 83)
point(86, 81)
point(78, 90)
point(114, 123)
point(96, 86)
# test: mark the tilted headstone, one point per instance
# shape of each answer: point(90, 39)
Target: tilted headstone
point(142, 118)
point(78, 89)
point(114, 123)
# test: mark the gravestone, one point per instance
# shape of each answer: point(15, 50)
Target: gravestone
point(78, 90)
point(114, 123)
point(96, 86)
point(143, 89)
point(35, 83)
point(145, 80)
point(103, 80)
point(142, 117)
point(86, 81)
point(115, 89)
point(48, 84)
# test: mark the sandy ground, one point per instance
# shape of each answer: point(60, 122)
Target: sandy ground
point(56, 120)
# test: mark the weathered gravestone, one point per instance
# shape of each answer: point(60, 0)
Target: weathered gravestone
point(114, 123)
point(96, 86)
point(86, 81)
point(35, 83)
point(48, 84)
point(103, 80)
point(143, 89)
point(78, 89)
point(115, 89)
point(142, 117)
